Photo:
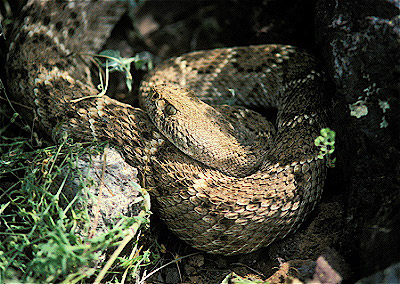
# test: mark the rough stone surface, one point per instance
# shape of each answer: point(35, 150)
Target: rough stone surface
point(359, 42)
point(109, 192)
point(389, 275)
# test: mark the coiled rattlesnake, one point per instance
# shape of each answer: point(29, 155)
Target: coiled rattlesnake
point(208, 204)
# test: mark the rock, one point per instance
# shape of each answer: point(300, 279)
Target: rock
point(360, 45)
point(108, 192)
point(389, 275)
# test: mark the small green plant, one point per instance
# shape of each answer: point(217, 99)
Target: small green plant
point(326, 144)
point(115, 62)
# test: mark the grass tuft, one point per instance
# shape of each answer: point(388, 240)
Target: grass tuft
point(45, 233)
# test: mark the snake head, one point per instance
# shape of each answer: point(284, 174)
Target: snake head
point(174, 110)
point(199, 130)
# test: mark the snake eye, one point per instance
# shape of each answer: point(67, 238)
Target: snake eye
point(170, 109)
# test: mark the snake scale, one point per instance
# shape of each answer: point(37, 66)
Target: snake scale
point(189, 162)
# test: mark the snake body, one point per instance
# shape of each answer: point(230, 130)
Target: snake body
point(201, 196)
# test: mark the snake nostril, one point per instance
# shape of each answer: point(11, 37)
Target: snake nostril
point(155, 95)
